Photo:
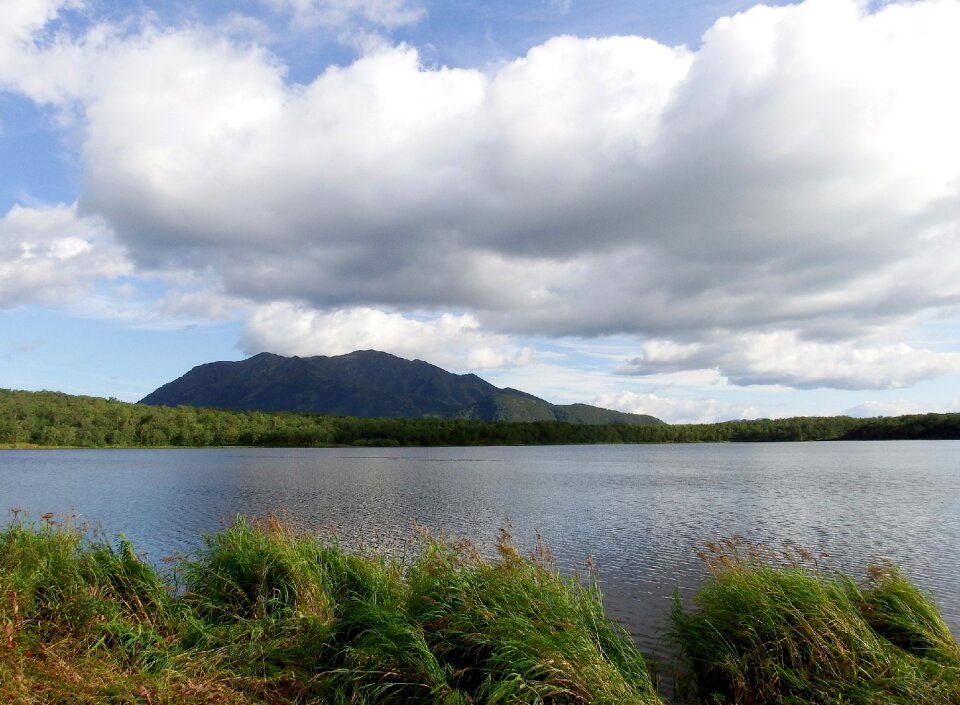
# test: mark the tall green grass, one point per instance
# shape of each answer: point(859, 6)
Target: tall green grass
point(774, 628)
point(266, 614)
point(516, 631)
point(263, 613)
point(67, 603)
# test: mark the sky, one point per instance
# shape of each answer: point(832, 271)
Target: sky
point(692, 209)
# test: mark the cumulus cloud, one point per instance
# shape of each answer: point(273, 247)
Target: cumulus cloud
point(51, 255)
point(783, 358)
point(793, 184)
point(22, 18)
point(450, 341)
point(675, 410)
point(899, 407)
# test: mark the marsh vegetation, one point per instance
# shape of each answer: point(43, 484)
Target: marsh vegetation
point(267, 613)
point(772, 627)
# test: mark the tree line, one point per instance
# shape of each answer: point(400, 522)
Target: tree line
point(63, 420)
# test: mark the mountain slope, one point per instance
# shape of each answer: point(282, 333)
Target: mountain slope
point(365, 383)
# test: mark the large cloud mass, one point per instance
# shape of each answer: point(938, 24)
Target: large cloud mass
point(448, 340)
point(796, 178)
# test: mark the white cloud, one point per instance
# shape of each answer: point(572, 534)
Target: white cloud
point(899, 407)
point(22, 18)
point(870, 409)
point(449, 341)
point(205, 304)
point(51, 255)
point(389, 14)
point(792, 185)
point(673, 410)
point(784, 358)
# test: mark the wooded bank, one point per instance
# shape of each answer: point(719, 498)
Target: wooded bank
point(55, 419)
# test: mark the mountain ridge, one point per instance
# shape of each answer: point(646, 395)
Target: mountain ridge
point(368, 384)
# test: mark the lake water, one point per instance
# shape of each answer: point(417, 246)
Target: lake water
point(641, 512)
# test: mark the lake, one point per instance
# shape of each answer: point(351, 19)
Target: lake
point(641, 511)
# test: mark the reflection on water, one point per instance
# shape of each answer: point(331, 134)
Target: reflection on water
point(641, 512)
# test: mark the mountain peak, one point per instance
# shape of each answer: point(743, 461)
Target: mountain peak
point(366, 383)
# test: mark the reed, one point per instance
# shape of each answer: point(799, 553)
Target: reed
point(772, 627)
point(263, 613)
point(518, 631)
point(78, 617)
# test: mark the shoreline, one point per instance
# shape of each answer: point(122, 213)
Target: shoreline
point(35, 446)
point(52, 419)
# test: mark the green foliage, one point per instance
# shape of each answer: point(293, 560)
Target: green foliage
point(65, 603)
point(268, 614)
point(55, 419)
point(517, 631)
point(364, 383)
point(897, 610)
point(771, 628)
point(62, 420)
point(271, 615)
point(249, 572)
point(368, 384)
point(926, 426)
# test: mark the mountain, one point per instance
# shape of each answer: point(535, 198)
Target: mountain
point(366, 383)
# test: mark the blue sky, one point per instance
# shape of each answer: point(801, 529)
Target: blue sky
point(697, 210)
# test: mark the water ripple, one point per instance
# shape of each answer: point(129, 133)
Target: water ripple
point(639, 512)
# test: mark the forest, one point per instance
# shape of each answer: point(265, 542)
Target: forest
point(54, 419)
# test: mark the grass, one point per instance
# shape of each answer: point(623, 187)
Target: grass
point(266, 614)
point(79, 620)
point(774, 628)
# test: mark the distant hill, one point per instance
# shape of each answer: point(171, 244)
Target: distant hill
point(370, 384)
point(511, 405)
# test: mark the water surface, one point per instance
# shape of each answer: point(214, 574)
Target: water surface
point(641, 511)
